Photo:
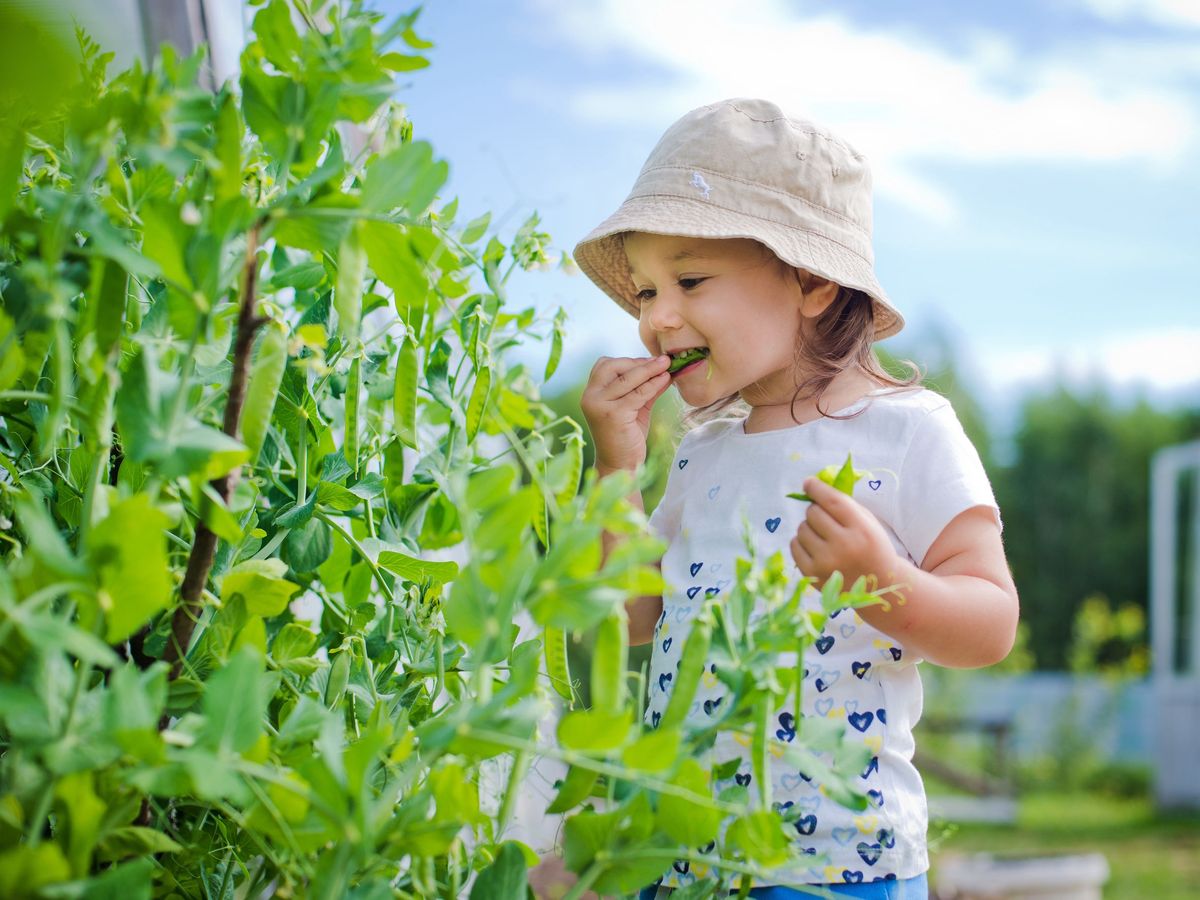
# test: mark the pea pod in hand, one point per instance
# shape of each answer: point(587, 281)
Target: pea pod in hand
point(843, 478)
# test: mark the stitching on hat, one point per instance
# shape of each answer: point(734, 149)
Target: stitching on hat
point(755, 184)
point(811, 133)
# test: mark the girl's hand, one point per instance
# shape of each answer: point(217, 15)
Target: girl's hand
point(616, 403)
point(839, 534)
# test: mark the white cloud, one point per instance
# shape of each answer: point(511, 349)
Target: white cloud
point(904, 101)
point(1164, 360)
point(1160, 12)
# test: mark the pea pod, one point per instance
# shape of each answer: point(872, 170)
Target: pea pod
point(339, 677)
point(843, 478)
point(556, 344)
point(264, 384)
point(555, 640)
point(478, 402)
point(541, 521)
point(571, 461)
point(348, 290)
point(404, 401)
point(610, 661)
point(353, 398)
point(687, 679)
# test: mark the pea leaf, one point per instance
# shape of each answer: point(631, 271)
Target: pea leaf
point(235, 701)
point(261, 584)
point(128, 553)
point(506, 878)
point(689, 822)
point(407, 177)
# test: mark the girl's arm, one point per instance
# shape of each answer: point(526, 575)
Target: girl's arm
point(958, 609)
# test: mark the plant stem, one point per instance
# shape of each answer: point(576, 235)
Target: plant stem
point(204, 548)
point(358, 548)
point(594, 871)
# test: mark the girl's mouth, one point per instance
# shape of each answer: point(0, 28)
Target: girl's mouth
point(687, 359)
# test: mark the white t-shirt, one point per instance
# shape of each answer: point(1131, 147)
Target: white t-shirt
point(924, 471)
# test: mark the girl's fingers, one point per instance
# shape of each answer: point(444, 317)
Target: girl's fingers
point(806, 539)
point(821, 522)
point(622, 376)
point(801, 556)
point(828, 498)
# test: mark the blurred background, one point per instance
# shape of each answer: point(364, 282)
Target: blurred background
point(1037, 175)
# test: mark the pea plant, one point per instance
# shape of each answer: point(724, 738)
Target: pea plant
point(273, 494)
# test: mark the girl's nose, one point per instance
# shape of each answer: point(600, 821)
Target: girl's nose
point(664, 312)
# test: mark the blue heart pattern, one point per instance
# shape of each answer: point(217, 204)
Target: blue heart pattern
point(870, 853)
point(773, 524)
point(787, 729)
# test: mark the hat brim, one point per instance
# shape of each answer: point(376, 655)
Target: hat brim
point(601, 254)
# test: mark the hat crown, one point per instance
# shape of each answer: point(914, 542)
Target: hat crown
point(755, 142)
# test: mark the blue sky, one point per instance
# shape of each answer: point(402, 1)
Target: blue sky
point(1037, 164)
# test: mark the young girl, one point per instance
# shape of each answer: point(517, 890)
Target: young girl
point(746, 244)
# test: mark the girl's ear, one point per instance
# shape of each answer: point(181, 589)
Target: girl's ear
point(816, 293)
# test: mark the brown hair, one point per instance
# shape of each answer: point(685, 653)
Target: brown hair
point(840, 338)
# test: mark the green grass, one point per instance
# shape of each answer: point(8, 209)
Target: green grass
point(1150, 854)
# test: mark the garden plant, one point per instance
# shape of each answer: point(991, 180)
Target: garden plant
point(256, 397)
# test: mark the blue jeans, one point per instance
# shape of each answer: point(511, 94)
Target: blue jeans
point(907, 889)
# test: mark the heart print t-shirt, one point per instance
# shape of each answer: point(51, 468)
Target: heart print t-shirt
point(923, 471)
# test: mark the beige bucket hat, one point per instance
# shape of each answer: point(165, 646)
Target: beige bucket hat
point(743, 168)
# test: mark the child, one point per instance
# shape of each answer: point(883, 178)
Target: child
point(746, 240)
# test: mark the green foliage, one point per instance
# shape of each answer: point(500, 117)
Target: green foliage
point(1076, 507)
point(249, 385)
point(1107, 640)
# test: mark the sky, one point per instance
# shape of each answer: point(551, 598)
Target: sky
point(1036, 163)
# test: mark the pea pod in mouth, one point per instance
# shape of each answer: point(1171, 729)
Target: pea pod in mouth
point(679, 362)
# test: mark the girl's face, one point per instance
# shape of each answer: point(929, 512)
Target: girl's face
point(729, 295)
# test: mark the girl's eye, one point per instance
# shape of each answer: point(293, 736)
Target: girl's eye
point(686, 283)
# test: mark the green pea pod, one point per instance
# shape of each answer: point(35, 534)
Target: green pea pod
point(571, 462)
point(687, 679)
point(353, 399)
point(265, 379)
point(556, 344)
point(348, 290)
point(541, 522)
point(478, 402)
point(339, 677)
point(575, 788)
point(843, 478)
point(404, 401)
point(610, 662)
point(557, 668)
